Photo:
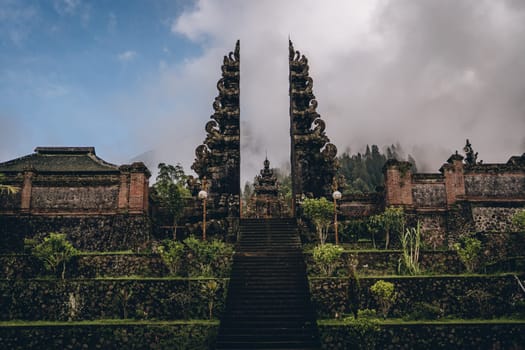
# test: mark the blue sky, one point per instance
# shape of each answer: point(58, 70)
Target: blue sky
point(64, 63)
point(130, 77)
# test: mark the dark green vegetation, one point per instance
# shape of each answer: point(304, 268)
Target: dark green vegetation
point(363, 173)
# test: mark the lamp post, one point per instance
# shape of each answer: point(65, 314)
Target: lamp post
point(336, 195)
point(203, 195)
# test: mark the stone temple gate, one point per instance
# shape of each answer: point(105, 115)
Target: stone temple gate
point(217, 162)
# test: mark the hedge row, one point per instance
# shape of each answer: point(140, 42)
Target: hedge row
point(163, 299)
point(24, 266)
point(386, 262)
point(459, 296)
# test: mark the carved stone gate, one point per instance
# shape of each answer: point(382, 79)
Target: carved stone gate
point(217, 161)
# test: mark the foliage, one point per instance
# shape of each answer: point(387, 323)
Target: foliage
point(171, 189)
point(519, 219)
point(209, 291)
point(172, 254)
point(7, 188)
point(363, 333)
point(410, 242)
point(354, 286)
point(469, 250)
point(480, 300)
point(364, 172)
point(320, 211)
point(204, 255)
point(123, 298)
point(390, 222)
point(384, 294)
point(326, 258)
point(424, 311)
point(54, 251)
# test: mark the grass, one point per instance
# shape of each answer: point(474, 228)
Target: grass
point(464, 275)
point(106, 322)
point(119, 278)
point(401, 322)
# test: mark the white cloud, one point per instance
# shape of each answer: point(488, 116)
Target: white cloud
point(68, 7)
point(126, 56)
point(427, 74)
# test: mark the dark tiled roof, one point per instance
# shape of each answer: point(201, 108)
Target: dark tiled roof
point(60, 159)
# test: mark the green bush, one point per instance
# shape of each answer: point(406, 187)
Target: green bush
point(326, 258)
point(207, 258)
point(469, 250)
point(172, 254)
point(363, 333)
point(390, 222)
point(424, 311)
point(320, 211)
point(384, 294)
point(54, 251)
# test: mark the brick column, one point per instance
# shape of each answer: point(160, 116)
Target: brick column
point(454, 178)
point(138, 188)
point(123, 195)
point(25, 204)
point(398, 183)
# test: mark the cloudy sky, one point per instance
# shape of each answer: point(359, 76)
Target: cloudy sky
point(138, 77)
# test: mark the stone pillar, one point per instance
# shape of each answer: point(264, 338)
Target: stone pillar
point(454, 178)
point(138, 188)
point(25, 203)
point(398, 183)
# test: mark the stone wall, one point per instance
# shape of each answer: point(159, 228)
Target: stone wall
point(85, 198)
point(451, 292)
point(57, 300)
point(436, 335)
point(461, 199)
point(99, 206)
point(498, 185)
point(90, 233)
point(108, 336)
point(495, 219)
point(429, 195)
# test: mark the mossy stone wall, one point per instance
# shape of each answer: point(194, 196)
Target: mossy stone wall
point(461, 296)
point(140, 336)
point(57, 300)
point(424, 336)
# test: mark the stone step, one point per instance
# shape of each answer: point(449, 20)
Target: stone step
point(268, 304)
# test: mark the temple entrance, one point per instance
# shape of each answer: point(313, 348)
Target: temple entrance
point(217, 162)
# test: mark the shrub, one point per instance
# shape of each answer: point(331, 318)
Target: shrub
point(519, 219)
point(320, 211)
point(54, 251)
point(362, 333)
point(209, 291)
point(384, 294)
point(326, 258)
point(469, 250)
point(410, 242)
point(424, 311)
point(391, 221)
point(203, 256)
point(354, 287)
point(172, 254)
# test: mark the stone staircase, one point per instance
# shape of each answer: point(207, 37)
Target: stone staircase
point(268, 304)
